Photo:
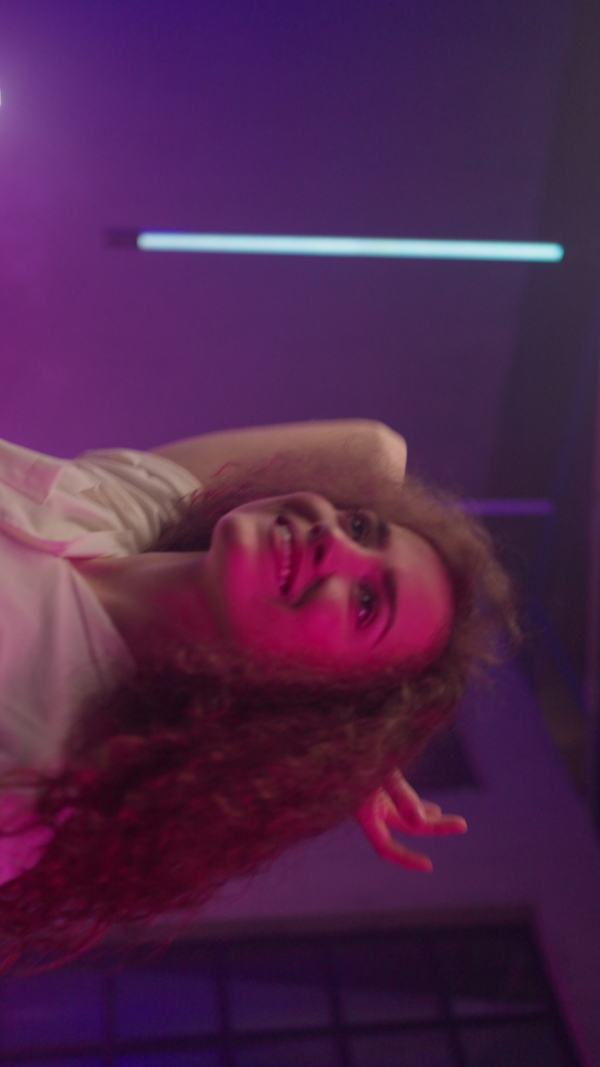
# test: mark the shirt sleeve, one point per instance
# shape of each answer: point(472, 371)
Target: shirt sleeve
point(138, 489)
point(104, 502)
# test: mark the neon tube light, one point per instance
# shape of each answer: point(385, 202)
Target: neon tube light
point(515, 508)
point(513, 251)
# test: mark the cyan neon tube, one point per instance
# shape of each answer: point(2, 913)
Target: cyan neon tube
point(516, 508)
point(511, 251)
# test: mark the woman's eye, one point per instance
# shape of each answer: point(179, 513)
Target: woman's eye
point(367, 605)
point(360, 525)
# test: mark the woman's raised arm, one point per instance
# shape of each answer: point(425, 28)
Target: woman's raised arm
point(382, 451)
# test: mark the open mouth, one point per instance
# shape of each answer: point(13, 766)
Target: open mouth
point(287, 555)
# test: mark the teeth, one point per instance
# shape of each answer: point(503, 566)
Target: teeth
point(286, 562)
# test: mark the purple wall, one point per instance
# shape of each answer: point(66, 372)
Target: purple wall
point(363, 118)
point(367, 118)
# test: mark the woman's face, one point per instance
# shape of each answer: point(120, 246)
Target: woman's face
point(297, 579)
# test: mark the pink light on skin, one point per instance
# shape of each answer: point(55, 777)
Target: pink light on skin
point(351, 601)
point(338, 590)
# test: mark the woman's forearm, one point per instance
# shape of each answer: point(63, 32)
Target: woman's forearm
point(376, 450)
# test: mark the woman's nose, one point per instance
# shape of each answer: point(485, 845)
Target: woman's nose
point(318, 536)
point(316, 532)
point(331, 549)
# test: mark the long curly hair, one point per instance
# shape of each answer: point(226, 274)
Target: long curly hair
point(193, 770)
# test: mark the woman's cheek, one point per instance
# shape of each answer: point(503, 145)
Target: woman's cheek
point(318, 631)
point(304, 636)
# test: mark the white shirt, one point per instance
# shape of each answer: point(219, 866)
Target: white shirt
point(57, 643)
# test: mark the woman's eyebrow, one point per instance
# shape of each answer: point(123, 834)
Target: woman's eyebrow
point(391, 596)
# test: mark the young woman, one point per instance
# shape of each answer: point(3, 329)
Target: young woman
point(227, 645)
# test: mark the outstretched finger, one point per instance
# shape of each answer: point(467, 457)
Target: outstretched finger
point(444, 824)
point(420, 816)
point(394, 852)
point(422, 826)
point(374, 818)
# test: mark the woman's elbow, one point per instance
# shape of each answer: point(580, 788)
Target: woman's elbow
point(394, 449)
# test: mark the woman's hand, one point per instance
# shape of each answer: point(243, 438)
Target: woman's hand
point(397, 806)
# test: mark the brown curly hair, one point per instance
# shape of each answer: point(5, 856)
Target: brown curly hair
point(195, 771)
